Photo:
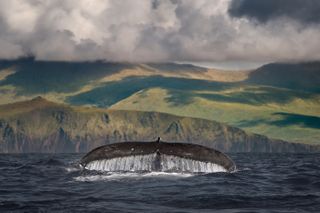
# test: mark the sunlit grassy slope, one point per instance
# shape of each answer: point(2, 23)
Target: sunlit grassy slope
point(278, 100)
point(293, 119)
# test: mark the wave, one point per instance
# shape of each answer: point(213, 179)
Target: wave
point(120, 176)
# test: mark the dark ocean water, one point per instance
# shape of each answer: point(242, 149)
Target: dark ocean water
point(263, 183)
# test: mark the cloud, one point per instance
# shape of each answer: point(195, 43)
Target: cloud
point(305, 11)
point(156, 31)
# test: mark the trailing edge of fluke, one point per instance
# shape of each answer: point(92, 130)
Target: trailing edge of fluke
point(182, 150)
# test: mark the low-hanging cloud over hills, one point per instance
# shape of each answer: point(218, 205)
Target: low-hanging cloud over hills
point(159, 31)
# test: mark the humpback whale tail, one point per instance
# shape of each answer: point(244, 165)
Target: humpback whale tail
point(157, 156)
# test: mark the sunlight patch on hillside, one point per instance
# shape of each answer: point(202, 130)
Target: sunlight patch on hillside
point(6, 72)
point(261, 119)
point(144, 70)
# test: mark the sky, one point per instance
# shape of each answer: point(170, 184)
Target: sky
point(199, 31)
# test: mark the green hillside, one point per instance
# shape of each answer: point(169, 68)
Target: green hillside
point(280, 101)
point(32, 77)
point(303, 76)
point(296, 120)
point(39, 125)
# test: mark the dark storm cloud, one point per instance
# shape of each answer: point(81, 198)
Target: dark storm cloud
point(305, 11)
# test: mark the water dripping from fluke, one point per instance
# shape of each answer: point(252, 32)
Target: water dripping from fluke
point(157, 156)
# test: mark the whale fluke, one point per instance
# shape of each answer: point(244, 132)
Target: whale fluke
point(157, 156)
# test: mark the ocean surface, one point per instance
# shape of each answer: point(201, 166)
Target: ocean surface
point(262, 183)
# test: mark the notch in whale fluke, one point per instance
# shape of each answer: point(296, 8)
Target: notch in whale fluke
point(157, 156)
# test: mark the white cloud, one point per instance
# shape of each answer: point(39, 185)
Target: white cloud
point(148, 31)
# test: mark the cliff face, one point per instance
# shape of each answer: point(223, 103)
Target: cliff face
point(48, 127)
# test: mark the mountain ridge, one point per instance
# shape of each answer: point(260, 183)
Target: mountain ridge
point(288, 75)
point(61, 128)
